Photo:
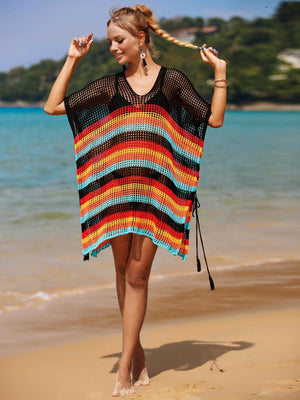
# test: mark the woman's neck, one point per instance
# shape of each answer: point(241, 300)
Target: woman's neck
point(137, 68)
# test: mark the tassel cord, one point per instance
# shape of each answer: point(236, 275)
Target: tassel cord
point(196, 205)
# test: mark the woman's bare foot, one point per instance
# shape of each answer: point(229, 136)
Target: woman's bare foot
point(143, 379)
point(123, 385)
point(139, 371)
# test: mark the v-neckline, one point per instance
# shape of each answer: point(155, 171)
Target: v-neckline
point(142, 95)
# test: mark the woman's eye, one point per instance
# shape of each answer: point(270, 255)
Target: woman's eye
point(120, 41)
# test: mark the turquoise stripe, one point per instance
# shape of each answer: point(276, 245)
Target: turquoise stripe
point(133, 128)
point(124, 231)
point(137, 199)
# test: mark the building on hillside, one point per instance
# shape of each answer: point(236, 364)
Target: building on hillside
point(189, 34)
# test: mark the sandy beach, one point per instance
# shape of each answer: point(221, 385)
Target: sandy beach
point(239, 342)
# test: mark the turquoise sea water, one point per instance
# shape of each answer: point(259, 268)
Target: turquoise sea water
point(249, 192)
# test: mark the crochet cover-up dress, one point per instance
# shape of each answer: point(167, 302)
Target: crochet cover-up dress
point(138, 159)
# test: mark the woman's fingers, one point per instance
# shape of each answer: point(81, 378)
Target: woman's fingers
point(214, 51)
point(81, 41)
point(80, 46)
point(84, 40)
point(90, 35)
point(209, 55)
point(209, 50)
point(89, 40)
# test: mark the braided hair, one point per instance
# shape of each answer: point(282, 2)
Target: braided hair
point(140, 18)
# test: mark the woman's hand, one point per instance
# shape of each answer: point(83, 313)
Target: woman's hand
point(80, 46)
point(210, 56)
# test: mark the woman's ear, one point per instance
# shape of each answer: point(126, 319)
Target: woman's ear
point(141, 38)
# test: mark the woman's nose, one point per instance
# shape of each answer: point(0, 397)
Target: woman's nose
point(113, 47)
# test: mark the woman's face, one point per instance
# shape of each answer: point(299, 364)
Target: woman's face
point(124, 46)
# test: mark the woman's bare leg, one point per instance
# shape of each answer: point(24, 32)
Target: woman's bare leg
point(121, 248)
point(133, 303)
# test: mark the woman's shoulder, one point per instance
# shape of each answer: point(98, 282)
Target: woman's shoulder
point(175, 80)
point(101, 88)
point(175, 73)
point(102, 85)
point(105, 80)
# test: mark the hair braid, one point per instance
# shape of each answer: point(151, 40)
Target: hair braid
point(155, 28)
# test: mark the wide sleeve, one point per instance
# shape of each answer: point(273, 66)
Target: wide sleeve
point(188, 108)
point(191, 99)
point(88, 105)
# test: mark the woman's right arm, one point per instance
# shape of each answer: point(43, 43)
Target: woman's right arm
point(78, 48)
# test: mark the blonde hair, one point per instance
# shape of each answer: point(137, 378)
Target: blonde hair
point(140, 18)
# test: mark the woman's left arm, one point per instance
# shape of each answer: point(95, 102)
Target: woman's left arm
point(218, 104)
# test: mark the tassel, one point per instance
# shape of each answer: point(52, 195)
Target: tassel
point(86, 257)
point(211, 282)
point(198, 265)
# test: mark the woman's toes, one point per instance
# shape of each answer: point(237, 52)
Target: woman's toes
point(122, 391)
point(123, 385)
point(143, 378)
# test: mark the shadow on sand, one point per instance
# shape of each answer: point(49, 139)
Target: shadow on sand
point(186, 355)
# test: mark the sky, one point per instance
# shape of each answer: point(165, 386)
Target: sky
point(32, 30)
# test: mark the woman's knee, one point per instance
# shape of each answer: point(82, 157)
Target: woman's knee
point(137, 280)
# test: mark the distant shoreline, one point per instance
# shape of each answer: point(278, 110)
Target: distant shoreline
point(264, 106)
point(257, 106)
point(21, 104)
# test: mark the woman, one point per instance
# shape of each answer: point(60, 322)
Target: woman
point(138, 141)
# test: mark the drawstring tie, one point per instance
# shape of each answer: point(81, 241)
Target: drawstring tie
point(196, 205)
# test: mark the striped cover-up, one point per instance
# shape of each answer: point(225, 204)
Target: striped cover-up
point(138, 159)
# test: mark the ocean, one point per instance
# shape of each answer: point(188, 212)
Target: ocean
point(249, 192)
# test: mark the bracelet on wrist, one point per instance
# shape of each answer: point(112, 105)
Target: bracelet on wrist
point(221, 80)
point(224, 86)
